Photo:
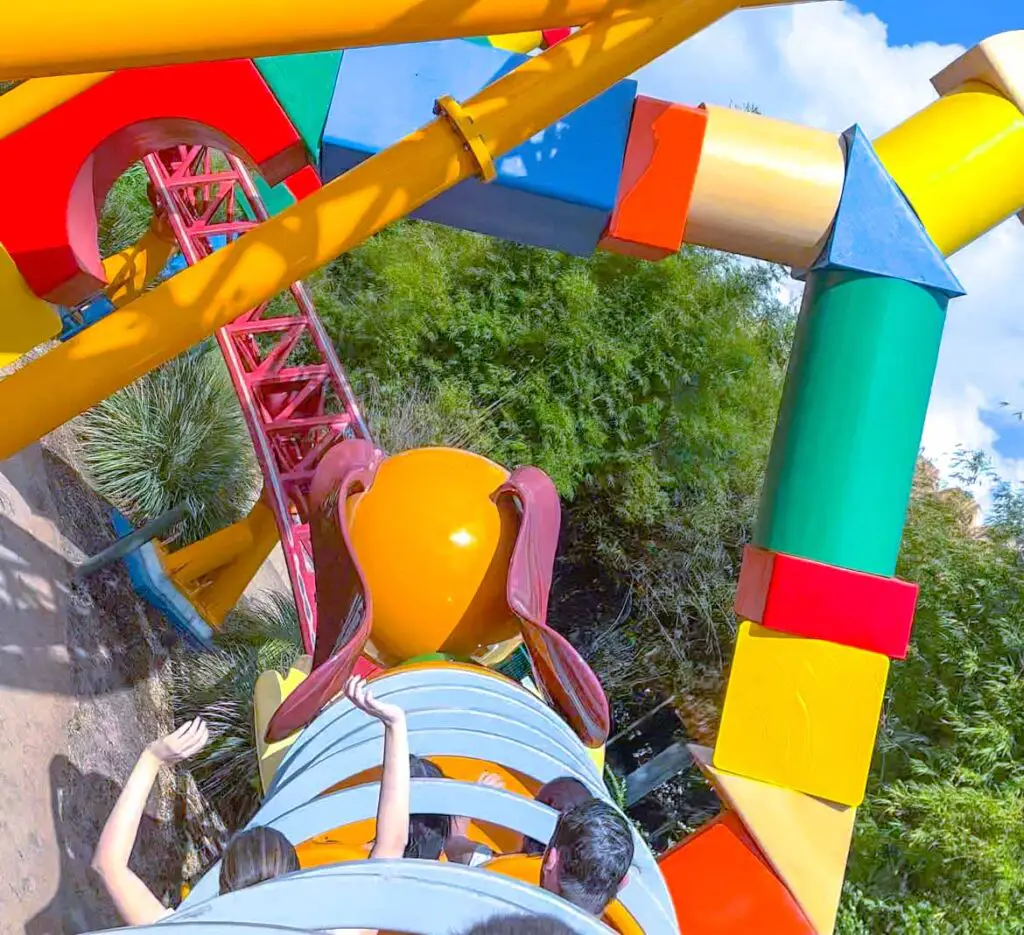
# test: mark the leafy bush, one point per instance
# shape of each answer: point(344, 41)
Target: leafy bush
point(257, 636)
point(941, 835)
point(647, 391)
point(174, 436)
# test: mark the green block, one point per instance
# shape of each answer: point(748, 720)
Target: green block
point(850, 424)
point(304, 87)
point(275, 199)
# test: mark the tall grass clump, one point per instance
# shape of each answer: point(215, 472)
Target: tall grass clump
point(258, 635)
point(174, 436)
point(127, 211)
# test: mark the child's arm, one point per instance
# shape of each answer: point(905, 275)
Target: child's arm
point(393, 802)
point(137, 905)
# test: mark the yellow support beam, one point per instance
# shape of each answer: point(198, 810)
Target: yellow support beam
point(131, 270)
point(292, 245)
point(26, 321)
point(214, 572)
point(61, 37)
point(29, 101)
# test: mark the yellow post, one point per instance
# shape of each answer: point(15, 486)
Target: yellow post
point(26, 321)
point(131, 270)
point(301, 239)
point(29, 101)
point(960, 162)
point(213, 573)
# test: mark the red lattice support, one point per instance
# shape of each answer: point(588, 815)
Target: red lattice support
point(294, 394)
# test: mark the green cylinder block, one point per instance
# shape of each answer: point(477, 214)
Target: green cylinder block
point(849, 428)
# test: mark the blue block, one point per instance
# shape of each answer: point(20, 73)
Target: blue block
point(153, 586)
point(557, 190)
point(876, 230)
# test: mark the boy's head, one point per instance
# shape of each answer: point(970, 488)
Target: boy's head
point(589, 855)
point(254, 856)
point(428, 834)
point(520, 925)
point(560, 794)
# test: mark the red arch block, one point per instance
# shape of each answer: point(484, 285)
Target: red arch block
point(56, 172)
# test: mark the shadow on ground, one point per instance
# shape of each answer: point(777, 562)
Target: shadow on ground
point(80, 803)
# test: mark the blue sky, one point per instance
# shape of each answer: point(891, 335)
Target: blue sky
point(830, 64)
point(944, 21)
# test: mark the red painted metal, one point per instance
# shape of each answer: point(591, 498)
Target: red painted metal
point(294, 394)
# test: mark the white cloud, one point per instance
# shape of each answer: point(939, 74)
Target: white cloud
point(828, 65)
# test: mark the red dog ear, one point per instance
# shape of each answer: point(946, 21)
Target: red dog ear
point(561, 673)
point(344, 606)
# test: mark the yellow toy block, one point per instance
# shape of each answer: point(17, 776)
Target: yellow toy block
point(26, 321)
point(271, 689)
point(805, 839)
point(801, 713)
point(997, 61)
point(521, 42)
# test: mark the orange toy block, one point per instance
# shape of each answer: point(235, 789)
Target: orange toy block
point(721, 885)
point(662, 154)
point(805, 840)
point(69, 158)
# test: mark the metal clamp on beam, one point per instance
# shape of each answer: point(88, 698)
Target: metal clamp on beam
point(462, 124)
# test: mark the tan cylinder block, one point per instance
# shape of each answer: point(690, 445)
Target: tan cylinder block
point(765, 188)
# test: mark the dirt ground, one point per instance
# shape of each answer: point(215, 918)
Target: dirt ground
point(80, 695)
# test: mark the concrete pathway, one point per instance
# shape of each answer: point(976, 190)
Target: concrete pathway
point(36, 694)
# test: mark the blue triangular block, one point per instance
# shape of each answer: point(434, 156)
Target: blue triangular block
point(877, 231)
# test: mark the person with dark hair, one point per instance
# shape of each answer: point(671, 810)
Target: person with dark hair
point(428, 834)
point(560, 794)
point(254, 856)
point(433, 835)
point(589, 856)
point(520, 925)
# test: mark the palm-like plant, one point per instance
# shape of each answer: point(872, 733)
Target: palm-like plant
point(258, 635)
point(174, 436)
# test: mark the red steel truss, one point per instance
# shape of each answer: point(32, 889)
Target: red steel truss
point(294, 394)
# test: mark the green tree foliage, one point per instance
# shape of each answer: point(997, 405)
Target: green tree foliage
point(646, 391)
point(940, 842)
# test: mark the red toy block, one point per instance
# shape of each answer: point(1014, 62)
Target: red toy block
point(304, 182)
point(658, 175)
point(59, 168)
point(554, 36)
point(804, 598)
point(721, 885)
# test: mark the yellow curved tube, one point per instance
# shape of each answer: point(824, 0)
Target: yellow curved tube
point(29, 101)
point(960, 163)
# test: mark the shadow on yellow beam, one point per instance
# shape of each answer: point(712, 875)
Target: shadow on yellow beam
point(61, 37)
point(201, 299)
